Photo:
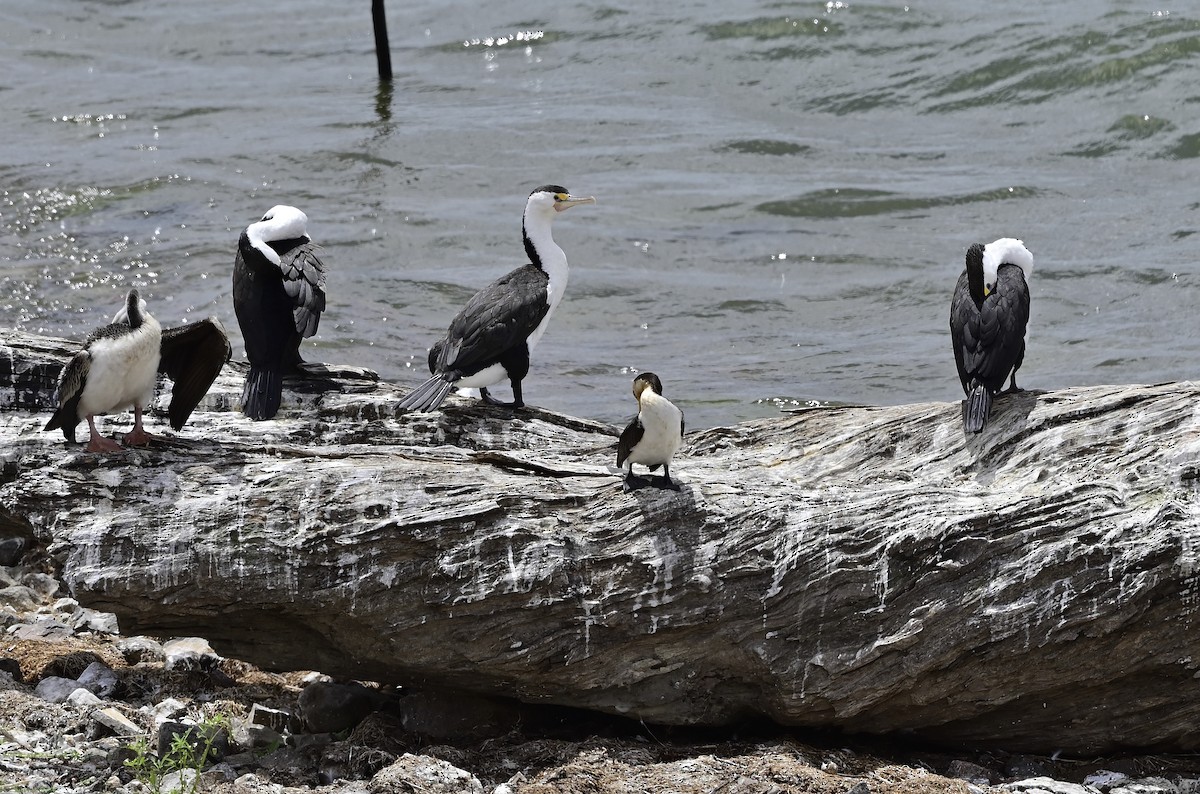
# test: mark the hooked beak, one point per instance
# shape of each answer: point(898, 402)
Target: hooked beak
point(571, 201)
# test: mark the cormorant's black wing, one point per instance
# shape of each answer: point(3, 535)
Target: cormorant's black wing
point(962, 313)
point(192, 357)
point(497, 318)
point(630, 437)
point(70, 388)
point(304, 281)
point(993, 340)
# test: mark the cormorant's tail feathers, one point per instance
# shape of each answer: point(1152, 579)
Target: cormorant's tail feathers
point(429, 396)
point(262, 393)
point(978, 408)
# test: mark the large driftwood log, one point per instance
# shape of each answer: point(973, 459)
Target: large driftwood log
point(868, 569)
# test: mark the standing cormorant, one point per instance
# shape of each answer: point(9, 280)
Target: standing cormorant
point(493, 335)
point(278, 297)
point(652, 437)
point(118, 367)
point(988, 317)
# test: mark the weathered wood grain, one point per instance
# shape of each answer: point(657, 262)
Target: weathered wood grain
point(868, 569)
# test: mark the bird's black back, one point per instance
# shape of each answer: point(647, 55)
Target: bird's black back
point(495, 321)
point(989, 338)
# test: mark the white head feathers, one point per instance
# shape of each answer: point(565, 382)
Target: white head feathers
point(1006, 250)
point(280, 223)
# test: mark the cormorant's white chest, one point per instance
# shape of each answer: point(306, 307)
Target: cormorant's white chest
point(123, 370)
point(662, 430)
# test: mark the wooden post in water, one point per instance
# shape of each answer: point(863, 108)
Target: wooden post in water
point(383, 53)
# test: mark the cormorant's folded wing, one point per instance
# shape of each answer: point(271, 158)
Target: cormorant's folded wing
point(498, 317)
point(304, 280)
point(192, 357)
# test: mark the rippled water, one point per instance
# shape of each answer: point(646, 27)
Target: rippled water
point(786, 190)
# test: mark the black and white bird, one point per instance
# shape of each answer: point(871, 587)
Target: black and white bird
point(652, 437)
point(118, 365)
point(278, 297)
point(491, 338)
point(988, 319)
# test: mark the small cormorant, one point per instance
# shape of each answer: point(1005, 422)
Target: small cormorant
point(278, 297)
point(652, 437)
point(118, 365)
point(493, 335)
point(988, 317)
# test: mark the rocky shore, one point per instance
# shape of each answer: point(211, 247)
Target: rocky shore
point(85, 709)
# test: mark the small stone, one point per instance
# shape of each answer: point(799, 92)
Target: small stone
point(166, 709)
point(12, 667)
point(427, 775)
point(1149, 785)
point(67, 606)
point(178, 782)
point(1104, 778)
point(99, 622)
point(189, 653)
point(56, 689)
point(99, 678)
point(327, 707)
point(860, 788)
point(83, 698)
point(136, 650)
point(51, 632)
point(116, 722)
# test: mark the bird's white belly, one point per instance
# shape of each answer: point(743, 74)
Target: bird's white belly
point(661, 433)
point(483, 378)
point(123, 372)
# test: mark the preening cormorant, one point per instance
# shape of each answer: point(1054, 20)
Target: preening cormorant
point(988, 318)
point(493, 335)
point(278, 297)
point(118, 365)
point(652, 437)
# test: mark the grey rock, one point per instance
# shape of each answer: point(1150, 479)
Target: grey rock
point(43, 585)
point(181, 782)
point(99, 622)
point(1149, 785)
point(329, 707)
point(11, 551)
point(427, 775)
point(116, 722)
point(56, 689)
point(46, 632)
point(83, 699)
point(100, 679)
point(492, 551)
point(860, 788)
point(1046, 785)
point(189, 653)
point(136, 650)
point(19, 597)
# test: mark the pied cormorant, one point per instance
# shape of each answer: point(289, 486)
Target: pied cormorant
point(118, 365)
point(278, 297)
point(988, 317)
point(493, 335)
point(652, 437)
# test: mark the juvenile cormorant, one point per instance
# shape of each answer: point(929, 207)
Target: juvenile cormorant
point(493, 335)
point(652, 437)
point(988, 317)
point(278, 297)
point(118, 365)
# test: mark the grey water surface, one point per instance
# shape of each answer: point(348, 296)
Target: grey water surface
point(785, 190)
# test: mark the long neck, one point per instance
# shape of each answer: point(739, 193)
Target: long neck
point(545, 253)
